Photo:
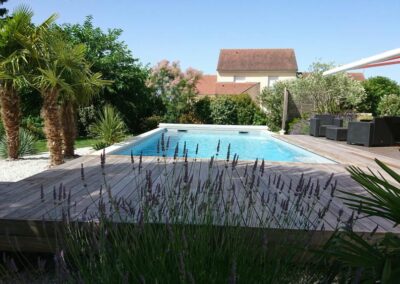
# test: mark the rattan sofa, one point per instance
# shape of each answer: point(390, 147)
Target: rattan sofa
point(382, 131)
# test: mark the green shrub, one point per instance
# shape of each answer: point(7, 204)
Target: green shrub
point(259, 118)
point(26, 144)
point(272, 100)
point(376, 89)
point(109, 126)
point(34, 124)
point(100, 145)
point(223, 110)
point(233, 109)
point(245, 108)
point(202, 110)
point(189, 117)
point(389, 105)
point(150, 123)
point(86, 117)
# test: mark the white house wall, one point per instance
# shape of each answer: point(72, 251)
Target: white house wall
point(258, 77)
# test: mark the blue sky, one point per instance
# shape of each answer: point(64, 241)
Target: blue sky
point(193, 32)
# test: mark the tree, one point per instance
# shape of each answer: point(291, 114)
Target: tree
point(13, 70)
point(389, 105)
point(177, 89)
point(111, 57)
point(376, 88)
point(85, 85)
point(330, 94)
point(61, 72)
point(272, 102)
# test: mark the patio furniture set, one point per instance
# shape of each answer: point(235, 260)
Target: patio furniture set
point(381, 131)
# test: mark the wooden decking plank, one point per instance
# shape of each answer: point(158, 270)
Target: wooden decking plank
point(332, 214)
point(266, 183)
point(87, 196)
point(50, 174)
point(32, 206)
point(118, 187)
point(29, 191)
point(364, 224)
point(87, 190)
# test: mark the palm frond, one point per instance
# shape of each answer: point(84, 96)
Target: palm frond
point(383, 199)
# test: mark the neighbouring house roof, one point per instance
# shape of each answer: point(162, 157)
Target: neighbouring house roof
point(358, 76)
point(277, 59)
point(208, 85)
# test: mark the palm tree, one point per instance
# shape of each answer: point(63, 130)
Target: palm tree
point(63, 78)
point(13, 68)
point(85, 86)
point(59, 63)
point(16, 64)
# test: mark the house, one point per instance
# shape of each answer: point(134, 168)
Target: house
point(248, 71)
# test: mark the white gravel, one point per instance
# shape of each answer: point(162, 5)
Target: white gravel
point(11, 171)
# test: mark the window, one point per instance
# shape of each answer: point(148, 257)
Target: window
point(238, 79)
point(272, 81)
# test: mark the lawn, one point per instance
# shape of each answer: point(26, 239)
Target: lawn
point(41, 145)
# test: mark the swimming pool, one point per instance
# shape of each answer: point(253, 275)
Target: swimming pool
point(205, 143)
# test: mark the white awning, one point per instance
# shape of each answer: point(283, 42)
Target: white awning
point(386, 58)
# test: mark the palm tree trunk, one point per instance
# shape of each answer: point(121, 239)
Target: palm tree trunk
point(11, 114)
point(52, 126)
point(68, 121)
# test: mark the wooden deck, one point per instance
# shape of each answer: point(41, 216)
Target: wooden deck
point(29, 209)
point(344, 153)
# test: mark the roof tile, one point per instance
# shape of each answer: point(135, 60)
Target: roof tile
point(208, 85)
point(279, 59)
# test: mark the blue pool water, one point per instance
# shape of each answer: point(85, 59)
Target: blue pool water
point(248, 146)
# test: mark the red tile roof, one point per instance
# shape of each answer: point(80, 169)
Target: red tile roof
point(278, 59)
point(208, 85)
point(233, 88)
point(356, 76)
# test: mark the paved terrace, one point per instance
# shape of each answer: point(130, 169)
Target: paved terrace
point(29, 208)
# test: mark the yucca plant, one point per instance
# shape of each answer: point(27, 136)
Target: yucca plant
point(109, 126)
point(26, 145)
point(355, 258)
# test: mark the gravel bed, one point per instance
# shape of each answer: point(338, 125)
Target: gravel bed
point(11, 171)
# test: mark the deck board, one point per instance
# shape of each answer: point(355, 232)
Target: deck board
point(22, 203)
